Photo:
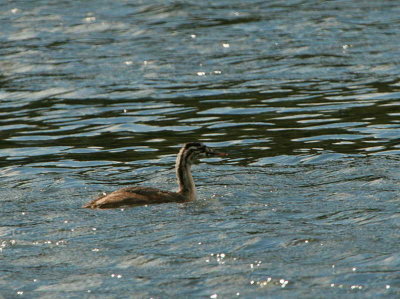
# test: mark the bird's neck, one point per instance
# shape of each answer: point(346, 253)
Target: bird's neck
point(185, 180)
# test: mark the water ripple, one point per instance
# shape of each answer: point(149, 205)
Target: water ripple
point(303, 96)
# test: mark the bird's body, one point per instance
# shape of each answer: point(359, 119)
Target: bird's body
point(132, 196)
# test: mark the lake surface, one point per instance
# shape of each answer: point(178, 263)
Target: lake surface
point(304, 96)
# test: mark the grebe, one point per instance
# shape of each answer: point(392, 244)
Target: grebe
point(132, 196)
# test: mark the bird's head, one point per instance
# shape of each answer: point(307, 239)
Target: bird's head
point(195, 150)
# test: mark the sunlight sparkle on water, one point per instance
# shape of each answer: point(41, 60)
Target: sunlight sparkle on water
point(283, 282)
point(262, 283)
point(255, 264)
point(90, 19)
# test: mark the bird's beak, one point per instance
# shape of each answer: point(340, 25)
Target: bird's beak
point(212, 152)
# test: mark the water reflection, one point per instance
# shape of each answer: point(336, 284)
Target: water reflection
point(347, 124)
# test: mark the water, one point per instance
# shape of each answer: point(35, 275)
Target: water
point(303, 95)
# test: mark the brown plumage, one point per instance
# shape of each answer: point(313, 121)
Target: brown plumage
point(132, 196)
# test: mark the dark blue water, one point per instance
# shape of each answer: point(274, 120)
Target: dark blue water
point(303, 95)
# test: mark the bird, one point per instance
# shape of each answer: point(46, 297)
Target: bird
point(134, 196)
